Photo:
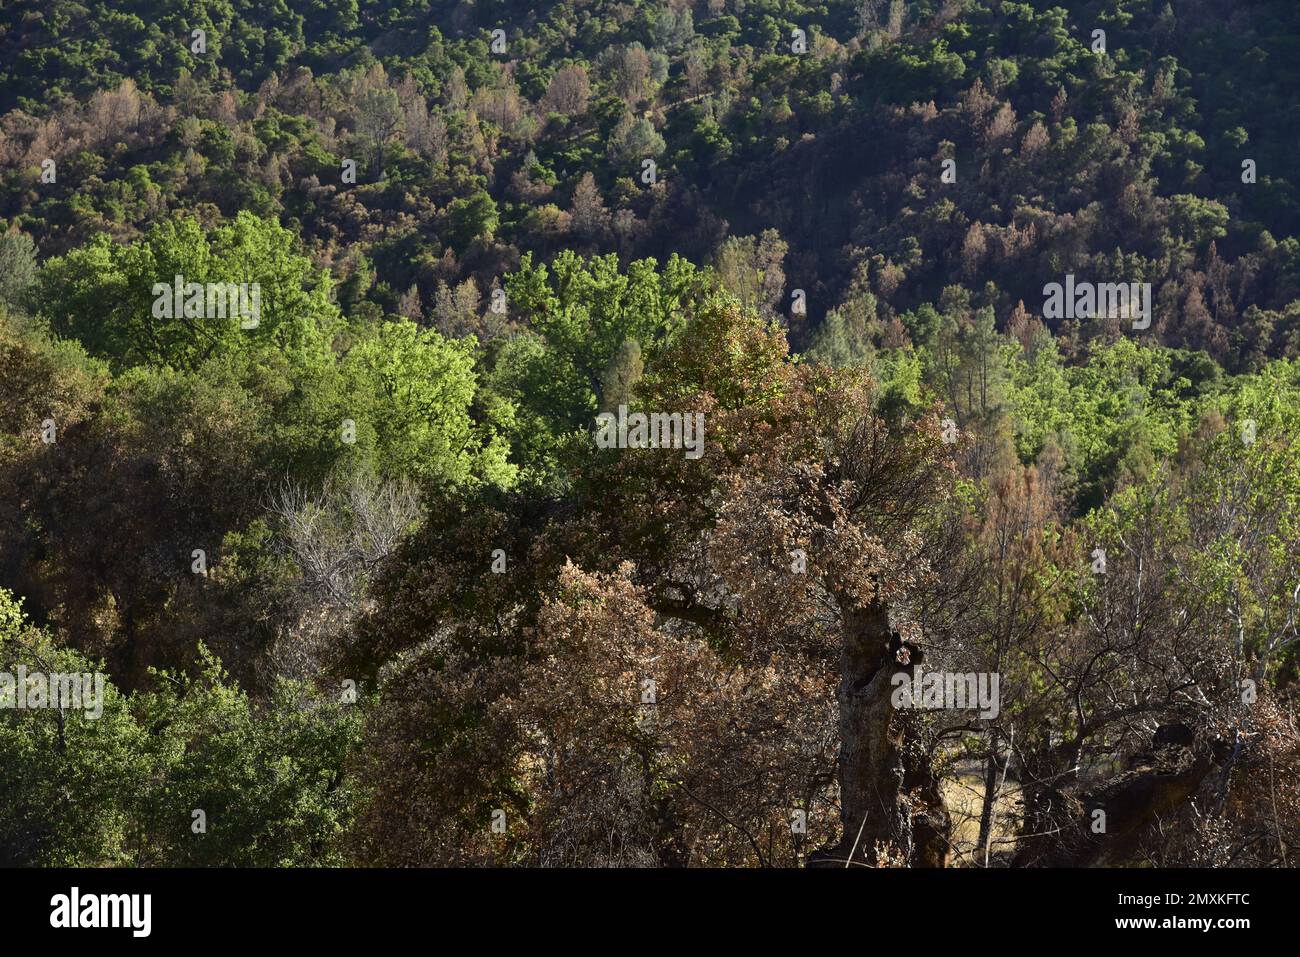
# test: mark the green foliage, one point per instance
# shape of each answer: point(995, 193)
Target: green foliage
point(117, 783)
point(581, 314)
point(410, 392)
point(1115, 416)
point(376, 353)
point(17, 268)
point(110, 297)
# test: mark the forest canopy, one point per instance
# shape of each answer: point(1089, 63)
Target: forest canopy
point(363, 586)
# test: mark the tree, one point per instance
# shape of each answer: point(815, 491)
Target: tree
point(582, 313)
point(471, 218)
point(619, 377)
point(379, 117)
point(17, 268)
point(673, 28)
point(142, 765)
point(119, 300)
point(590, 218)
point(568, 92)
point(632, 73)
point(868, 12)
point(336, 538)
point(409, 392)
point(564, 645)
point(634, 139)
point(750, 268)
point(841, 340)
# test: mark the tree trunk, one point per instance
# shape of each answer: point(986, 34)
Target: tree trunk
point(990, 797)
point(880, 763)
point(1156, 783)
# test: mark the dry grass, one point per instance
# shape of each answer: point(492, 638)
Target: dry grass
point(964, 795)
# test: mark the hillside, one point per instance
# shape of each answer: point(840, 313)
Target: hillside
point(549, 434)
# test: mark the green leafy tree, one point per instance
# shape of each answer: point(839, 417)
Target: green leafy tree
point(411, 393)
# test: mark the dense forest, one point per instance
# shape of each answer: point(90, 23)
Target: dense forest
point(368, 587)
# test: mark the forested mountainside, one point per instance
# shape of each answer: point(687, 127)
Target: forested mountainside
point(325, 328)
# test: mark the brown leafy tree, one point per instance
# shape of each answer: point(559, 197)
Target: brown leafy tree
point(683, 661)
